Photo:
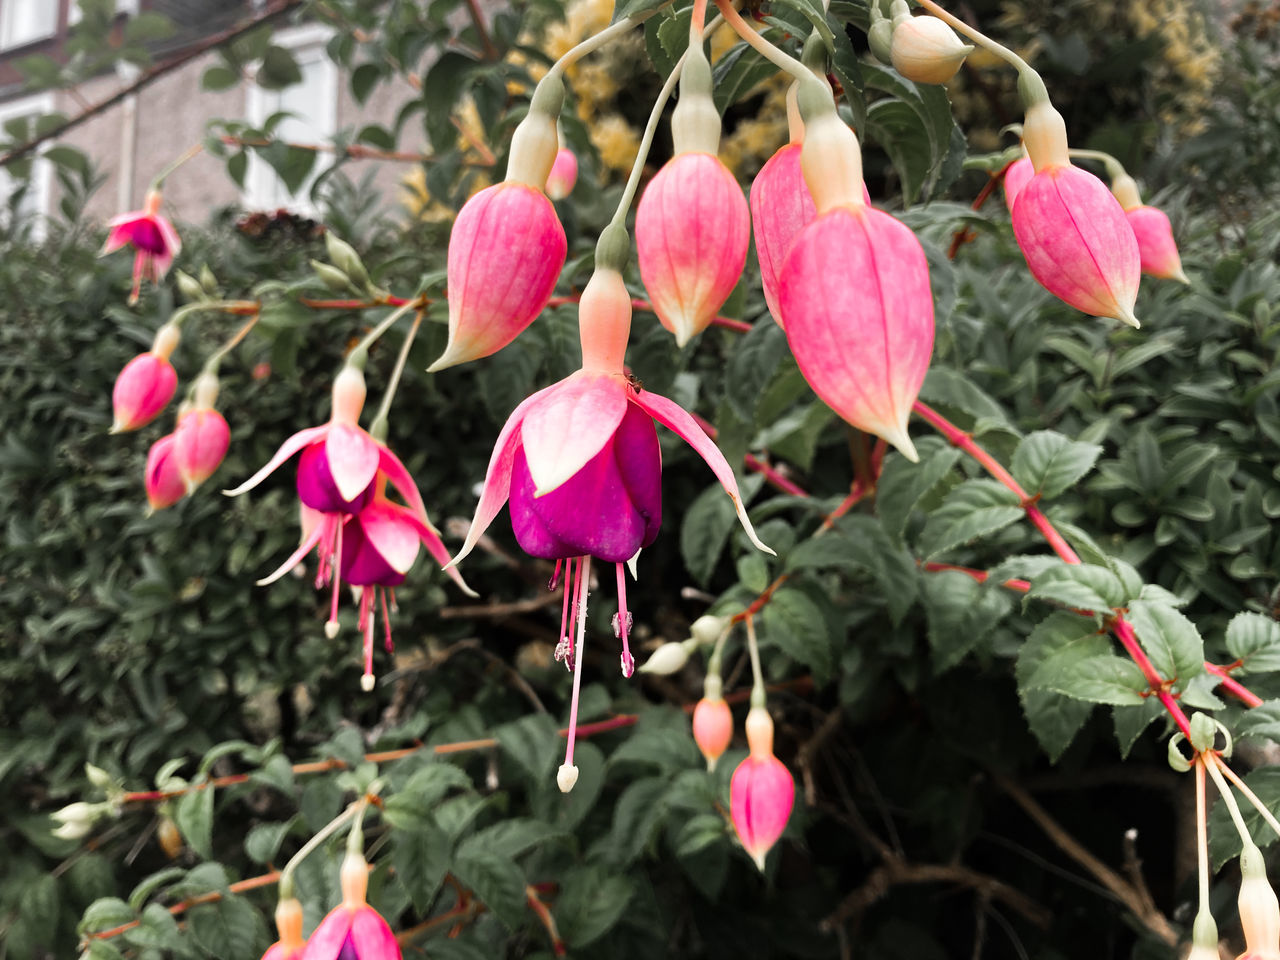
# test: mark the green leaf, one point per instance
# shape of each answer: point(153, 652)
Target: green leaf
point(363, 79)
point(421, 858)
point(1170, 639)
point(1254, 639)
point(441, 88)
point(915, 127)
point(264, 839)
point(795, 624)
point(1049, 463)
point(1053, 717)
point(508, 838)
point(700, 832)
point(961, 614)
point(1078, 668)
point(104, 914)
point(228, 928)
point(39, 902)
point(533, 742)
point(1080, 586)
point(636, 817)
point(278, 70)
point(1224, 841)
point(499, 883)
point(894, 568)
point(158, 930)
point(705, 531)
point(904, 484)
point(974, 509)
point(218, 77)
point(1129, 722)
point(194, 816)
point(590, 904)
point(413, 806)
point(755, 359)
point(1260, 723)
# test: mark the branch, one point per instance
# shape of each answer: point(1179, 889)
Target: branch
point(273, 12)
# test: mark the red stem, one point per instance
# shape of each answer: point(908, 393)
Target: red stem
point(389, 301)
point(755, 464)
point(1234, 686)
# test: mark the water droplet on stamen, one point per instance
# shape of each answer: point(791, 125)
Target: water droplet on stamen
point(618, 629)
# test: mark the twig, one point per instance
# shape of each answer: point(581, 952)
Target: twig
point(241, 886)
point(276, 10)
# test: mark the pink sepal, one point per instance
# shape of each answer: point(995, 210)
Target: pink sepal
point(287, 449)
point(1016, 176)
point(143, 388)
point(353, 459)
point(199, 444)
point(570, 425)
point(161, 479)
point(389, 531)
point(327, 940)
point(1078, 242)
point(1156, 247)
point(761, 795)
point(372, 937)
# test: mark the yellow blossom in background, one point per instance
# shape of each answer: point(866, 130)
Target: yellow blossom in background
point(616, 141)
point(753, 141)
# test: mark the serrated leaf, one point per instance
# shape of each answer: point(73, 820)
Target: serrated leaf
point(795, 624)
point(157, 930)
point(635, 818)
point(1049, 463)
point(508, 838)
point(1077, 669)
point(961, 614)
point(893, 567)
point(1170, 639)
point(531, 741)
point(904, 484)
point(1130, 722)
point(976, 508)
point(104, 914)
point(421, 858)
point(194, 816)
point(1080, 586)
point(497, 881)
point(705, 531)
point(1224, 841)
point(590, 904)
point(1260, 723)
point(413, 806)
point(1254, 639)
point(228, 928)
point(263, 841)
point(1054, 718)
point(754, 361)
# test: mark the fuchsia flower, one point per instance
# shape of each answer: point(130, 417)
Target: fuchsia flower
point(505, 254)
point(1016, 176)
point(361, 535)
point(289, 926)
point(163, 483)
point(761, 792)
point(692, 234)
point(1073, 232)
point(202, 436)
point(563, 175)
point(152, 237)
point(1157, 249)
point(580, 463)
point(712, 729)
point(146, 384)
point(353, 930)
point(1258, 907)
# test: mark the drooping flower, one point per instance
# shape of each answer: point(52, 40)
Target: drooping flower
point(202, 436)
point(580, 464)
point(1016, 176)
point(1151, 228)
point(361, 536)
point(291, 943)
point(926, 50)
point(353, 930)
point(152, 237)
point(1072, 231)
point(712, 728)
point(1259, 908)
point(563, 175)
point(161, 479)
point(505, 254)
point(761, 792)
point(146, 384)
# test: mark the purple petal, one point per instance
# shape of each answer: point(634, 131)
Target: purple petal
point(317, 488)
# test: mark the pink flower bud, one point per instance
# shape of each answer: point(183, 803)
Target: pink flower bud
point(1016, 176)
point(162, 481)
point(692, 233)
point(859, 317)
point(290, 944)
point(199, 444)
point(1077, 241)
point(712, 728)
point(143, 388)
point(761, 792)
point(1259, 909)
point(563, 175)
point(505, 254)
point(353, 930)
point(1156, 246)
point(926, 50)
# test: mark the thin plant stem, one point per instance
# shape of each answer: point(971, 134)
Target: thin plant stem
point(215, 358)
point(1232, 807)
point(757, 674)
point(1202, 835)
point(384, 410)
point(591, 44)
point(332, 827)
point(717, 652)
point(981, 39)
point(779, 58)
point(193, 151)
point(240, 307)
point(1114, 167)
point(372, 336)
point(1252, 797)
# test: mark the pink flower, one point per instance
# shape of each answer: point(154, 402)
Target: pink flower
point(712, 729)
point(859, 317)
point(143, 388)
point(1258, 907)
point(1156, 247)
point(1016, 176)
point(580, 463)
point(505, 254)
point(563, 175)
point(353, 930)
point(761, 792)
point(152, 237)
point(163, 483)
point(1077, 241)
point(692, 233)
point(289, 925)
point(199, 444)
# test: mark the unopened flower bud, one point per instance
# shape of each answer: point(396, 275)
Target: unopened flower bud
point(77, 819)
point(98, 777)
point(563, 175)
point(880, 38)
point(343, 256)
point(332, 277)
point(707, 628)
point(143, 388)
point(761, 793)
point(926, 50)
point(1259, 909)
point(188, 286)
point(161, 479)
point(712, 729)
point(666, 660)
point(202, 437)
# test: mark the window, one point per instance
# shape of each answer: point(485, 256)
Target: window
point(25, 21)
point(34, 204)
point(312, 119)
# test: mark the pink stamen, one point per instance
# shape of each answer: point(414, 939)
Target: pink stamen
point(386, 623)
point(580, 596)
point(337, 573)
point(564, 647)
point(622, 622)
point(365, 600)
point(367, 680)
point(555, 577)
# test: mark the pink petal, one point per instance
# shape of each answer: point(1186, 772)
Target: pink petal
point(761, 795)
point(859, 317)
point(781, 206)
point(371, 936)
point(400, 478)
point(172, 242)
point(353, 458)
point(309, 540)
point(385, 527)
point(570, 425)
point(1078, 243)
point(1016, 176)
point(1156, 245)
point(117, 237)
point(497, 479)
point(692, 233)
point(672, 416)
point(329, 936)
point(287, 449)
point(435, 546)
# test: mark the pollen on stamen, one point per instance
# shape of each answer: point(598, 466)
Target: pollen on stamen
point(331, 628)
